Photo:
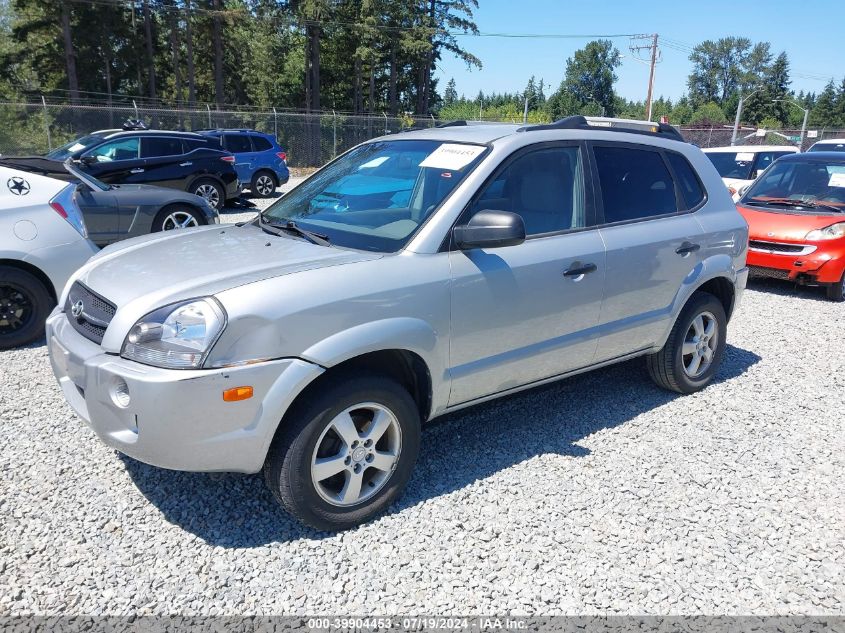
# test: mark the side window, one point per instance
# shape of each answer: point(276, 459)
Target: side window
point(121, 149)
point(261, 144)
point(238, 143)
point(545, 187)
point(635, 183)
point(154, 146)
point(191, 144)
point(688, 182)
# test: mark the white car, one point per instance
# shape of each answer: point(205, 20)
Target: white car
point(43, 241)
point(739, 165)
point(829, 145)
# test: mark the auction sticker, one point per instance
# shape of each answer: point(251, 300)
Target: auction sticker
point(837, 180)
point(742, 157)
point(452, 156)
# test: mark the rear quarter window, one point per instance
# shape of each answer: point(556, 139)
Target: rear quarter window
point(687, 181)
point(261, 144)
point(237, 143)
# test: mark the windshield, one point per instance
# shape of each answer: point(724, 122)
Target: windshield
point(375, 197)
point(732, 164)
point(797, 184)
point(68, 149)
point(828, 147)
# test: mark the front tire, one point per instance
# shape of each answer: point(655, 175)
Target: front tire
point(836, 291)
point(25, 304)
point(694, 349)
point(345, 451)
point(210, 190)
point(263, 184)
point(177, 217)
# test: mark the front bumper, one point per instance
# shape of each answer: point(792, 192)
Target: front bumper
point(820, 266)
point(175, 419)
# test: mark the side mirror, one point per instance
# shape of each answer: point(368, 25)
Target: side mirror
point(87, 160)
point(490, 229)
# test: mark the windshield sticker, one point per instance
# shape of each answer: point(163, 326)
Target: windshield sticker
point(18, 186)
point(75, 147)
point(744, 157)
point(452, 156)
point(837, 180)
point(374, 163)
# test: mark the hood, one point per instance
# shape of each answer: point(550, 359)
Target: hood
point(165, 267)
point(785, 227)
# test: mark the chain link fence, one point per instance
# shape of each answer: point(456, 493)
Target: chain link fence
point(310, 140)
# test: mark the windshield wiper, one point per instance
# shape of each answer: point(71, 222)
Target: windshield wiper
point(789, 202)
point(292, 227)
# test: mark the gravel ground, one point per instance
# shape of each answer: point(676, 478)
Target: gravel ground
point(597, 495)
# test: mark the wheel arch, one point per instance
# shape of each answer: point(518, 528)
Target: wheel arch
point(269, 171)
point(179, 203)
point(34, 271)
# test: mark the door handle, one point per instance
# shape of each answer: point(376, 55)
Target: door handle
point(185, 164)
point(137, 170)
point(686, 248)
point(577, 269)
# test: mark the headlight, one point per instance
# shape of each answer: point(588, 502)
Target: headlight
point(827, 233)
point(178, 336)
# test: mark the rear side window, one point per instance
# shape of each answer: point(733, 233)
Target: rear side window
point(635, 183)
point(237, 143)
point(261, 144)
point(688, 183)
point(154, 146)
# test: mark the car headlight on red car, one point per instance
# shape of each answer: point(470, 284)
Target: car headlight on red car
point(831, 232)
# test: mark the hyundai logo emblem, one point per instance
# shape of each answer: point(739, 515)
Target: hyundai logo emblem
point(77, 308)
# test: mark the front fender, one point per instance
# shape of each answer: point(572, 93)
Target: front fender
point(399, 333)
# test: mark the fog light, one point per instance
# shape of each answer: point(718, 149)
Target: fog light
point(120, 393)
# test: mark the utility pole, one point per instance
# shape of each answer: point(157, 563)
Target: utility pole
point(652, 62)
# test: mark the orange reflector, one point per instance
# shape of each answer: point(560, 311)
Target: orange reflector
point(237, 393)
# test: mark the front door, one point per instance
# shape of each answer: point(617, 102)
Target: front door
point(116, 161)
point(528, 312)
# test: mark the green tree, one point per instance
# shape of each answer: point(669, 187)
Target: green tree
point(587, 86)
point(725, 67)
point(770, 101)
point(450, 95)
point(824, 112)
point(708, 114)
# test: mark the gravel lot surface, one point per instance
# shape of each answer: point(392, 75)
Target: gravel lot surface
point(599, 494)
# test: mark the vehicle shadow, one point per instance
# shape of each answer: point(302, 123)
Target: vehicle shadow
point(786, 288)
point(238, 511)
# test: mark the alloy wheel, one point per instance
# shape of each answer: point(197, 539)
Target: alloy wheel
point(179, 220)
point(700, 344)
point(210, 193)
point(16, 309)
point(264, 185)
point(356, 454)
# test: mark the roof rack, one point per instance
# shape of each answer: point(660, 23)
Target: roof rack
point(463, 123)
point(579, 122)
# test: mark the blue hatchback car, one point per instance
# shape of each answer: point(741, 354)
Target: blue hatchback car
point(259, 160)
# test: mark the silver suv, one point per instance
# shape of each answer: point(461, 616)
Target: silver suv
point(416, 274)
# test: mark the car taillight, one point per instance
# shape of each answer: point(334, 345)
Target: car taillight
point(228, 159)
point(282, 155)
point(65, 205)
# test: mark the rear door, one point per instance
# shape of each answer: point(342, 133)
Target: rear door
point(653, 242)
point(241, 146)
point(524, 313)
point(165, 161)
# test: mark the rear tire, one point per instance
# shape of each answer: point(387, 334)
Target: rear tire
point(25, 304)
point(836, 290)
point(210, 190)
point(336, 427)
point(263, 184)
point(693, 351)
point(177, 217)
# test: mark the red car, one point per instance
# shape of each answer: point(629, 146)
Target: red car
point(796, 219)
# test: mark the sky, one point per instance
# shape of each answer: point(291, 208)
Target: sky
point(812, 38)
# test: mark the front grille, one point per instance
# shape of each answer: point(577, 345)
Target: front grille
point(773, 273)
point(780, 247)
point(93, 312)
